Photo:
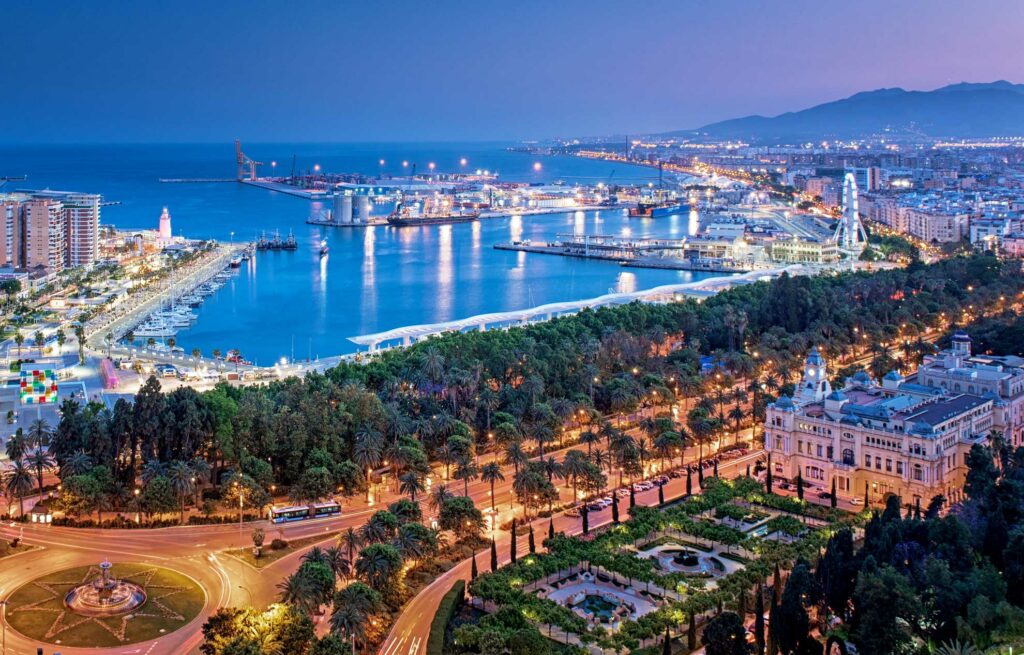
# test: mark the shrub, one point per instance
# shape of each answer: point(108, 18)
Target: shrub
point(450, 602)
point(278, 544)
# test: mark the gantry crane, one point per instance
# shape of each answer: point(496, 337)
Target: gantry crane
point(244, 161)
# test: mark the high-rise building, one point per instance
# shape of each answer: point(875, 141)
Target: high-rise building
point(82, 219)
point(42, 227)
point(10, 221)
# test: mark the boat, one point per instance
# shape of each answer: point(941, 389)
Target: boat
point(408, 215)
point(323, 248)
point(236, 262)
point(653, 209)
point(290, 243)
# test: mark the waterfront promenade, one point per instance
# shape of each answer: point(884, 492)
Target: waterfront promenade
point(130, 312)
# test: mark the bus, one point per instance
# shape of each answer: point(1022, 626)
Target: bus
point(303, 512)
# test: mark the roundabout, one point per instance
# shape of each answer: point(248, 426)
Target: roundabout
point(104, 605)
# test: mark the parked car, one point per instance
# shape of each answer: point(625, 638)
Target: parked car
point(824, 494)
point(856, 500)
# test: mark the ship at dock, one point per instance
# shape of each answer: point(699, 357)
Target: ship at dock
point(431, 212)
point(658, 209)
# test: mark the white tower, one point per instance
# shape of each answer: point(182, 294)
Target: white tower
point(814, 386)
point(850, 235)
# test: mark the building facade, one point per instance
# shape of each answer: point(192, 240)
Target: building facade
point(898, 436)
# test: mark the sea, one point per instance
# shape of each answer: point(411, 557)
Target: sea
point(299, 306)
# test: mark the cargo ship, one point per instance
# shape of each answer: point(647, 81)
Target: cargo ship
point(406, 215)
point(647, 209)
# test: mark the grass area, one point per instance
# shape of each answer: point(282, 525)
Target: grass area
point(270, 555)
point(37, 609)
point(6, 549)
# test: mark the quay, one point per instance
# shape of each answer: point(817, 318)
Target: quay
point(484, 215)
point(194, 180)
point(280, 187)
point(672, 254)
point(699, 290)
point(121, 318)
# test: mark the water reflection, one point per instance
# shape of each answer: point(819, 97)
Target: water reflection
point(515, 228)
point(368, 305)
point(445, 273)
point(579, 223)
point(626, 282)
point(691, 229)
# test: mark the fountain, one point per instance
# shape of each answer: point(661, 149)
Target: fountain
point(105, 595)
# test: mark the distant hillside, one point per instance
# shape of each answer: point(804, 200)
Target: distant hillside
point(960, 110)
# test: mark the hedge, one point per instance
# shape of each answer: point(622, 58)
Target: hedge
point(445, 611)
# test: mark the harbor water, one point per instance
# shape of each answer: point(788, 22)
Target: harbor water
point(299, 305)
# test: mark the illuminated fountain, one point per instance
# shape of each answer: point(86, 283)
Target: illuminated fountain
point(105, 595)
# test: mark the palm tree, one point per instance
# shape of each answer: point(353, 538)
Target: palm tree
point(19, 339)
point(573, 466)
point(41, 461)
point(515, 456)
point(552, 468)
point(335, 558)
point(351, 541)
point(590, 438)
point(17, 446)
point(183, 481)
point(61, 340)
point(18, 482)
point(466, 471)
point(411, 483)
point(376, 567)
point(438, 497)
point(491, 473)
point(153, 468)
point(76, 464)
point(39, 433)
point(296, 590)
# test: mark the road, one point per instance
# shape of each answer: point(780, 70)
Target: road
point(410, 633)
point(197, 552)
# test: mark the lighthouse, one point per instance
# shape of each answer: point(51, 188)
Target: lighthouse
point(165, 226)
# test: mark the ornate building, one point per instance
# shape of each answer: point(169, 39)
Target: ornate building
point(904, 435)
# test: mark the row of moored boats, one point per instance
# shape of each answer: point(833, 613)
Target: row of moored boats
point(177, 314)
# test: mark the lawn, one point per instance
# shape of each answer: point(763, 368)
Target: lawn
point(37, 610)
point(269, 555)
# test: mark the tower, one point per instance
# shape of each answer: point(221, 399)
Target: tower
point(814, 385)
point(850, 235)
point(165, 226)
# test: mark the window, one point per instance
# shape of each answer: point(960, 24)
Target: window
point(918, 473)
point(819, 450)
point(830, 453)
point(888, 465)
point(867, 461)
point(799, 446)
point(899, 467)
point(878, 463)
point(848, 456)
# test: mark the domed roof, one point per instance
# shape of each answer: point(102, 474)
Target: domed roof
point(784, 402)
point(861, 377)
point(836, 395)
point(960, 335)
point(814, 357)
point(892, 375)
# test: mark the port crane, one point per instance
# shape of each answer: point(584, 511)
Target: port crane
point(244, 161)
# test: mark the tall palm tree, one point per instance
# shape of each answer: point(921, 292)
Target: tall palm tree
point(183, 481)
point(351, 541)
point(491, 473)
point(466, 470)
point(17, 446)
point(438, 497)
point(296, 590)
point(411, 483)
point(515, 456)
point(574, 465)
point(39, 433)
point(41, 461)
point(18, 482)
point(374, 566)
point(589, 438)
point(335, 558)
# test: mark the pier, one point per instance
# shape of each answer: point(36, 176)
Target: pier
point(700, 289)
point(122, 318)
point(674, 254)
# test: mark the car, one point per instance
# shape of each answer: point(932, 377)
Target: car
point(622, 493)
point(643, 486)
point(824, 494)
point(661, 480)
point(783, 485)
point(572, 511)
point(595, 507)
point(856, 500)
point(675, 474)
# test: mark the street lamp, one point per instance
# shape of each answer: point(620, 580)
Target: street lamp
point(3, 622)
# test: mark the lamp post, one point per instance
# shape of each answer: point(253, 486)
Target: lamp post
point(3, 623)
point(247, 590)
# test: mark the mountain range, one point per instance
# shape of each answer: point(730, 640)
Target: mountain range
point(966, 110)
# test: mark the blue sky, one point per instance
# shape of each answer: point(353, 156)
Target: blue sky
point(314, 70)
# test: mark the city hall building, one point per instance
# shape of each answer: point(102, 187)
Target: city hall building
point(907, 436)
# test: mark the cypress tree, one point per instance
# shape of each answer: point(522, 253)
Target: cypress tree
point(917, 508)
point(666, 644)
point(748, 470)
point(494, 555)
point(632, 496)
point(661, 495)
point(512, 546)
point(472, 569)
point(689, 483)
point(716, 468)
point(799, 486)
point(832, 499)
point(532, 542)
point(691, 632)
point(700, 474)
point(759, 620)
point(615, 509)
point(768, 475)
point(586, 520)
point(865, 494)
point(551, 528)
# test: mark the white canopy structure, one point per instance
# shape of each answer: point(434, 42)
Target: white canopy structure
point(666, 293)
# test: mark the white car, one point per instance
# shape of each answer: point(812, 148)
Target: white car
point(856, 500)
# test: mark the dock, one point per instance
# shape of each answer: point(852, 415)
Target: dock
point(194, 180)
point(671, 254)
